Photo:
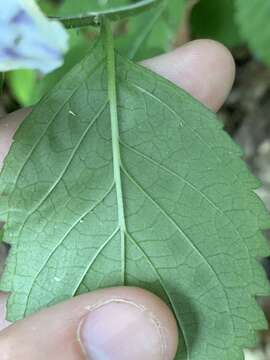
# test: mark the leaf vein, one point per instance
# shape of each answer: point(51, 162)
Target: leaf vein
point(186, 237)
point(102, 247)
point(175, 114)
point(188, 183)
point(66, 167)
point(48, 126)
point(92, 208)
point(164, 288)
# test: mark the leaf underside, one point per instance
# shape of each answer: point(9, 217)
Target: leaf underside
point(193, 223)
point(253, 19)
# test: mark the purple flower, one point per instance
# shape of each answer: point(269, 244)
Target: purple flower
point(29, 40)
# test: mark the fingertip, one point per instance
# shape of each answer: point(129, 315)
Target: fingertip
point(3, 322)
point(146, 328)
point(204, 68)
point(123, 323)
point(216, 63)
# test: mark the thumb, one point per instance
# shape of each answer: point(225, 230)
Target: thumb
point(110, 324)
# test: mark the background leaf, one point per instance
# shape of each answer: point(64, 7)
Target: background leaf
point(22, 84)
point(154, 31)
point(193, 222)
point(253, 19)
point(121, 11)
point(216, 20)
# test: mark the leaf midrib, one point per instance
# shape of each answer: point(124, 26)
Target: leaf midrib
point(112, 95)
point(118, 169)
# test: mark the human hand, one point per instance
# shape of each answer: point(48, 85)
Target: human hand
point(116, 323)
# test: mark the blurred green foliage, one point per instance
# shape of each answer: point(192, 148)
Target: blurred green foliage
point(215, 19)
point(253, 17)
point(154, 32)
point(232, 22)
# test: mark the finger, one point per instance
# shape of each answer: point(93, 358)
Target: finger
point(204, 68)
point(3, 322)
point(117, 324)
point(8, 126)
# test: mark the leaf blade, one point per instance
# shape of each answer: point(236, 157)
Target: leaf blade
point(192, 221)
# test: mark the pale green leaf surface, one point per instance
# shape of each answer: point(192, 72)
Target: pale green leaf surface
point(253, 18)
point(193, 223)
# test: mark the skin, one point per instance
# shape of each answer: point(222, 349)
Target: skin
point(206, 70)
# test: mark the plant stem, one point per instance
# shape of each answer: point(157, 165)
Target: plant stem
point(112, 94)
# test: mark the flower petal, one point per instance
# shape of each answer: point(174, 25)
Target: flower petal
point(29, 39)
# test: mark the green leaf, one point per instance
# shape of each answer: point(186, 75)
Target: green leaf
point(69, 7)
point(220, 24)
point(119, 177)
point(154, 31)
point(116, 13)
point(253, 19)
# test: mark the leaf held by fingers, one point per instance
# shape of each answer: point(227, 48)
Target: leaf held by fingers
point(139, 187)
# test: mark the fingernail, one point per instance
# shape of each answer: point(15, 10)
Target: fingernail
point(122, 330)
